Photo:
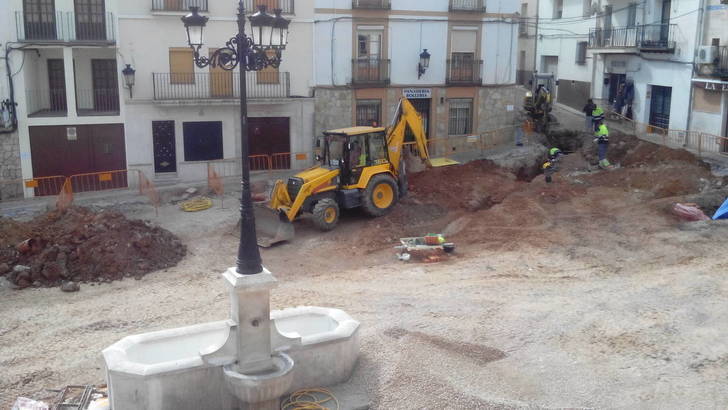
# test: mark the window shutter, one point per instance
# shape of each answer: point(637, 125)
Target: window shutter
point(181, 66)
point(581, 52)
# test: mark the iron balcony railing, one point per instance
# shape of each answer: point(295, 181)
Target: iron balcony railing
point(619, 37)
point(657, 37)
point(371, 4)
point(220, 86)
point(178, 5)
point(46, 102)
point(65, 27)
point(97, 101)
point(370, 71)
point(464, 71)
point(286, 6)
point(467, 5)
point(650, 37)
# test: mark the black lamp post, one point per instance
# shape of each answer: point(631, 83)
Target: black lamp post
point(129, 78)
point(423, 64)
point(261, 50)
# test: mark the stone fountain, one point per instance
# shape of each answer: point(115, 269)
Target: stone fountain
point(246, 362)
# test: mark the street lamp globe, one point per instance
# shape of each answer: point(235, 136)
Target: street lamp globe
point(261, 26)
point(279, 37)
point(194, 24)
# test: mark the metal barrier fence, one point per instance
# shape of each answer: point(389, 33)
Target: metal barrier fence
point(701, 142)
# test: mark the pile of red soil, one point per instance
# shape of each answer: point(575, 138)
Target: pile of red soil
point(473, 186)
point(83, 246)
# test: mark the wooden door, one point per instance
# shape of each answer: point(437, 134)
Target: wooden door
point(165, 154)
point(105, 85)
point(221, 81)
point(56, 85)
point(90, 19)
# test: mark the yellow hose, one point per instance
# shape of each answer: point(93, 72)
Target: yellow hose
point(196, 204)
point(309, 399)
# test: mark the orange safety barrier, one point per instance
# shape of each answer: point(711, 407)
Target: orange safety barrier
point(99, 181)
point(65, 196)
point(259, 162)
point(215, 183)
point(44, 186)
point(280, 161)
point(146, 187)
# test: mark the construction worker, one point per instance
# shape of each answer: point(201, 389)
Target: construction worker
point(597, 116)
point(549, 169)
point(601, 137)
point(555, 155)
point(588, 111)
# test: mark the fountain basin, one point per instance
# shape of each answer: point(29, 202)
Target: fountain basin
point(183, 368)
point(257, 388)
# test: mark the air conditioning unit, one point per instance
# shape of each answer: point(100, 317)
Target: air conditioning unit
point(707, 54)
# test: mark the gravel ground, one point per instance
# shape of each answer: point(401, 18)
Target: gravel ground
point(597, 300)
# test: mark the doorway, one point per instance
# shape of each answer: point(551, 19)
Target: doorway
point(660, 106)
point(615, 82)
point(551, 65)
point(56, 85)
point(270, 136)
point(106, 88)
point(665, 28)
point(90, 19)
point(422, 105)
point(221, 81)
point(165, 154)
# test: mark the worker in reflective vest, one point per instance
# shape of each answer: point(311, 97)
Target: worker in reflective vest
point(601, 137)
point(597, 117)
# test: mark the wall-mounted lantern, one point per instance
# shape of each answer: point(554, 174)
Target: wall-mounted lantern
point(423, 64)
point(129, 73)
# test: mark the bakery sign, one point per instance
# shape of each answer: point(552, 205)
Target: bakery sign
point(417, 93)
point(711, 86)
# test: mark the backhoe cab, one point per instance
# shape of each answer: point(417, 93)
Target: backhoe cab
point(359, 167)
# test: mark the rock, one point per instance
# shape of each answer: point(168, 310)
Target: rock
point(191, 191)
point(51, 271)
point(4, 268)
point(37, 284)
point(70, 286)
point(21, 268)
point(5, 283)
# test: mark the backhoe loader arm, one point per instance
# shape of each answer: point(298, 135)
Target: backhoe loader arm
point(406, 115)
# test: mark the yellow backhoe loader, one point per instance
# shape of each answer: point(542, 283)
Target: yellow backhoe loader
point(359, 167)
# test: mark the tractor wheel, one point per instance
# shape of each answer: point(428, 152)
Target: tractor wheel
point(380, 196)
point(326, 214)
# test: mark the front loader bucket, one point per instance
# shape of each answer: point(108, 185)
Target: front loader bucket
point(271, 226)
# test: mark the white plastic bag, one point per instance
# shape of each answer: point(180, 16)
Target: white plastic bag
point(24, 403)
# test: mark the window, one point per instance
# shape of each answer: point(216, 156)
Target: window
point(461, 117)
point(367, 112)
point(377, 148)
point(181, 66)
point(581, 52)
point(40, 19)
point(202, 140)
point(558, 9)
point(587, 8)
point(522, 25)
point(632, 15)
point(369, 44)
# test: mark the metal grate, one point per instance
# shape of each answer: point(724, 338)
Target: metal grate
point(461, 116)
point(178, 5)
point(224, 85)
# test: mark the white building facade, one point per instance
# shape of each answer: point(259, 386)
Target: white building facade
point(76, 116)
point(527, 41)
point(368, 51)
point(594, 47)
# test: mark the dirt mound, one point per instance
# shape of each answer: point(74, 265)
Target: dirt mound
point(474, 186)
point(84, 246)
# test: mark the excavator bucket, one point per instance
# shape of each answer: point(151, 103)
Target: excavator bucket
point(271, 226)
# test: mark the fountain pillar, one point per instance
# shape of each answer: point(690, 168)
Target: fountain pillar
point(250, 310)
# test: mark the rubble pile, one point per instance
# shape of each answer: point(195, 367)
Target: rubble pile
point(80, 245)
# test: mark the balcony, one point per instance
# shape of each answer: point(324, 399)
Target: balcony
point(650, 38)
point(611, 38)
point(178, 5)
point(220, 86)
point(464, 72)
point(657, 38)
point(476, 6)
point(286, 6)
point(370, 71)
point(65, 27)
point(89, 102)
point(371, 4)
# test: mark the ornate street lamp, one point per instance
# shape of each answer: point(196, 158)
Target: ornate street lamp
point(423, 64)
point(269, 33)
point(129, 78)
